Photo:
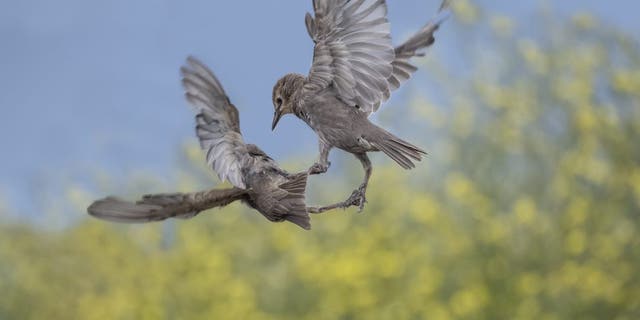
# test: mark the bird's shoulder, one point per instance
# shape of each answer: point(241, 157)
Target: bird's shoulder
point(265, 174)
point(327, 106)
point(325, 99)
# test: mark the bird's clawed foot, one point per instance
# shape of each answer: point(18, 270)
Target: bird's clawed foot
point(358, 197)
point(318, 168)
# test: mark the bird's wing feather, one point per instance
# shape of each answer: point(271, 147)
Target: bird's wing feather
point(353, 51)
point(217, 122)
point(157, 207)
point(414, 46)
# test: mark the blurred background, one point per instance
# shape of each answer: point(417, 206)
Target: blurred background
point(527, 206)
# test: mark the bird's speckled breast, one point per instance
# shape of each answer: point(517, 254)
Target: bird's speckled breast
point(333, 121)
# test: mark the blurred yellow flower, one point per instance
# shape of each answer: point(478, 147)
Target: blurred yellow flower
point(502, 25)
point(525, 210)
point(465, 10)
point(468, 301)
point(584, 20)
point(626, 81)
point(458, 186)
point(533, 56)
point(529, 284)
point(576, 242)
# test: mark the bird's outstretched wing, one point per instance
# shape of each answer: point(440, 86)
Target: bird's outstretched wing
point(402, 68)
point(217, 122)
point(353, 51)
point(157, 207)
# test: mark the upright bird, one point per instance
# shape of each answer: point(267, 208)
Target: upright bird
point(257, 179)
point(354, 69)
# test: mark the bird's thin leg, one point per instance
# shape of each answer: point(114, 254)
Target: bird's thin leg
point(359, 195)
point(323, 164)
point(340, 205)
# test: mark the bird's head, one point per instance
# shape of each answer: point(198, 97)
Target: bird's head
point(284, 93)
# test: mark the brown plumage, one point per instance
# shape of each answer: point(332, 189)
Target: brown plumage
point(258, 181)
point(355, 68)
point(159, 207)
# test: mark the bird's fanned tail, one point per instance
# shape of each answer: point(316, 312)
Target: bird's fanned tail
point(402, 152)
point(294, 201)
point(157, 207)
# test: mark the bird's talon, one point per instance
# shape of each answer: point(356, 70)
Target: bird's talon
point(358, 199)
point(318, 168)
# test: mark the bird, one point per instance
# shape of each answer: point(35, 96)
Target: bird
point(256, 178)
point(355, 68)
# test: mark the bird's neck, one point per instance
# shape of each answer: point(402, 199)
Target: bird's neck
point(299, 110)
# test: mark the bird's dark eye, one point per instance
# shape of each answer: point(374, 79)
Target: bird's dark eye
point(279, 102)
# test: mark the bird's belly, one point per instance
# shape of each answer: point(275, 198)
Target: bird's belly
point(342, 133)
point(261, 198)
point(345, 138)
point(336, 123)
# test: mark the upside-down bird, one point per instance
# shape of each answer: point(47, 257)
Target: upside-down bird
point(257, 179)
point(354, 69)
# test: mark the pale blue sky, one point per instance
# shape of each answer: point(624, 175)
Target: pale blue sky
point(89, 85)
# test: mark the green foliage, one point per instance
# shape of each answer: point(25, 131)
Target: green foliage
point(527, 208)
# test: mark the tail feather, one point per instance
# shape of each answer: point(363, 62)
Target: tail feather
point(158, 207)
point(303, 222)
point(297, 185)
point(294, 201)
point(396, 155)
point(399, 150)
point(412, 151)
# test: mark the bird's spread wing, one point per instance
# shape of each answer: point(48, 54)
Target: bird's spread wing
point(353, 51)
point(217, 122)
point(413, 47)
point(157, 207)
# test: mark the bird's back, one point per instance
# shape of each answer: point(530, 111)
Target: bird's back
point(278, 195)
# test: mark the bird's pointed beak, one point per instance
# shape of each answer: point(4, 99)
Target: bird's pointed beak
point(276, 117)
